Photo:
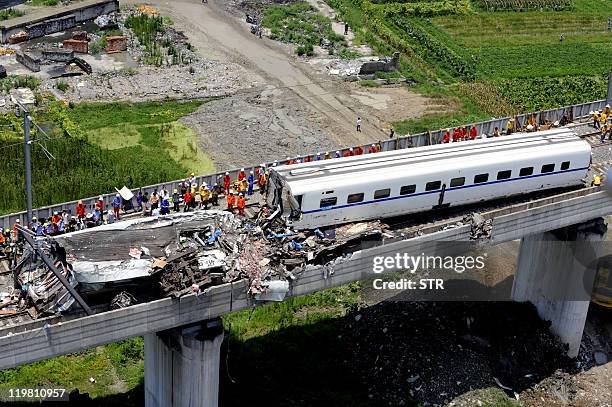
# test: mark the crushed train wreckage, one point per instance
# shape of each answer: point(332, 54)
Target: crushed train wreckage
point(120, 264)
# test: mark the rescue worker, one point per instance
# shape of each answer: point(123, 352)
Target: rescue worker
point(337, 154)
point(378, 147)
point(327, 156)
point(359, 124)
point(139, 200)
point(231, 200)
point(154, 200)
point(191, 180)
point(187, 198)
point(96, 216)
point(241, 204)
point(80, 210)
point(510, 127)
point(372, 149)
point(307, 159)
point(251, 182)
point(473, 132)
point(595, 117)
point(165, 207)
point(241, 175)
point(31, 224)
point(447, 136)
point(2, 240)
point(117, 205)
point(15, 236)
point(176, 200)
point(359, 150)
point(55, 220)
point(214, 195)
point(197, 198)
point(100, 206)
point(349, 152)
point(607, 110)
point(318, 157)
point(596, 181)
point(456, 135)
point(496, 132)
point(205, 193)
point(261, 182)
point(226, 183)
point(604, 131)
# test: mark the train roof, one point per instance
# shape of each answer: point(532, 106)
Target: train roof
point(316, 175)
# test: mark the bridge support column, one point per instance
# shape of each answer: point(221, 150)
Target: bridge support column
point(182, 366)
point(556, 272)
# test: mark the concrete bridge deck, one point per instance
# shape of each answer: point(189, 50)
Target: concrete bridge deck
point(53, 337)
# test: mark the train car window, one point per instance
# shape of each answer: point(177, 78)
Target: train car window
point(407, 189)
point(326, 202)
point(548, 168)
point(504, 174)
point(382, 193)
point(480, 178)
point(433, 185)
point(565, 165)
point(353, 198)
point(457, 182)
point(526, 171)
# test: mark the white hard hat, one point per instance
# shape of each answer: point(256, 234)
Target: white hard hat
point(226, 173)
point(251, 172)
point(373, 145)
point(117, 195)
point(591, 112)
point(242, 169)
point(351, 149)
point(608, 106)
point(101, 198)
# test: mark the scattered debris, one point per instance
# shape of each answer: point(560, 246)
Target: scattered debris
point(481, 227)
point(122, 300)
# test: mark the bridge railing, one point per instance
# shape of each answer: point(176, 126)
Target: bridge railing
point(416, 140)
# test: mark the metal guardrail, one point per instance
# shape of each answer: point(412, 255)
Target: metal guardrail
point(416, 140)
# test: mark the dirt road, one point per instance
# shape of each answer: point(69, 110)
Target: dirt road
point(217, 34)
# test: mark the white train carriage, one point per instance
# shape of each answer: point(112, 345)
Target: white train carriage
point(400, 182)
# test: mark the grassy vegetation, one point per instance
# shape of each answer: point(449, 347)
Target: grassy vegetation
point(19, 81)
point(531, 59)
point(115, 367)
point(10, 13)
point(147, 29)
point(300, 23)
point(62, 85)
point(44, 2)
point(107, 146)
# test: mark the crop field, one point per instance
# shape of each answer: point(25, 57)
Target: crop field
point(536, 54)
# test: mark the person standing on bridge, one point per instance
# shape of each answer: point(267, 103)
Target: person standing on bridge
point(80, 210)
point(251, 182)
point(117, 205)
point(359, 124)
point(231, 200)
point(241, 204)
point(226, 183)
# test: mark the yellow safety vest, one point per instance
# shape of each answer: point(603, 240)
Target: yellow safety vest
point(596, 181)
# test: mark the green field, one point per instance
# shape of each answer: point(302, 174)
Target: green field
point(556, 54)
point(97, 147)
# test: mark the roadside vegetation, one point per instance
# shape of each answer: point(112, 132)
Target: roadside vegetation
point(300, 23)
point(10, 13)
point(19, 81)
point(97, 147)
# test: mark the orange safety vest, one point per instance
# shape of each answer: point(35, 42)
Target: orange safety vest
point(241, 202)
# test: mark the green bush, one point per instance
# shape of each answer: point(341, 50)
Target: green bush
point(62, 85)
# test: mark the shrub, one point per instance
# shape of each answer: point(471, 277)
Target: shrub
point(62, 86)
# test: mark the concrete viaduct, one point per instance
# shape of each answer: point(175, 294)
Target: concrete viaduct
point(183, 336)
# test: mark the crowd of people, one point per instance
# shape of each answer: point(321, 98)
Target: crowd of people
point(191, 196)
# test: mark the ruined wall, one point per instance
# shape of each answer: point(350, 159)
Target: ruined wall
point(58, 54)
point(79, 46)
point(29, 61)
point(59, 21)
point(116, 44)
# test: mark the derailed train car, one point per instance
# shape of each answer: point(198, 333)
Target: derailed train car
point(401, 182)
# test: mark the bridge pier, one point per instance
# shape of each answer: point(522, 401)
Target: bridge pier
point(555, 272)
point(182, 366)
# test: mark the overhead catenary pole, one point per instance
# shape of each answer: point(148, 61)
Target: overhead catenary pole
point(27, 160)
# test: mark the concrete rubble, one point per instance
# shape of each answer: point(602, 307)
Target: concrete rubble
point(135, 260)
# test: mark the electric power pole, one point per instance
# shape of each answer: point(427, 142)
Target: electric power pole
point(27, 148)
